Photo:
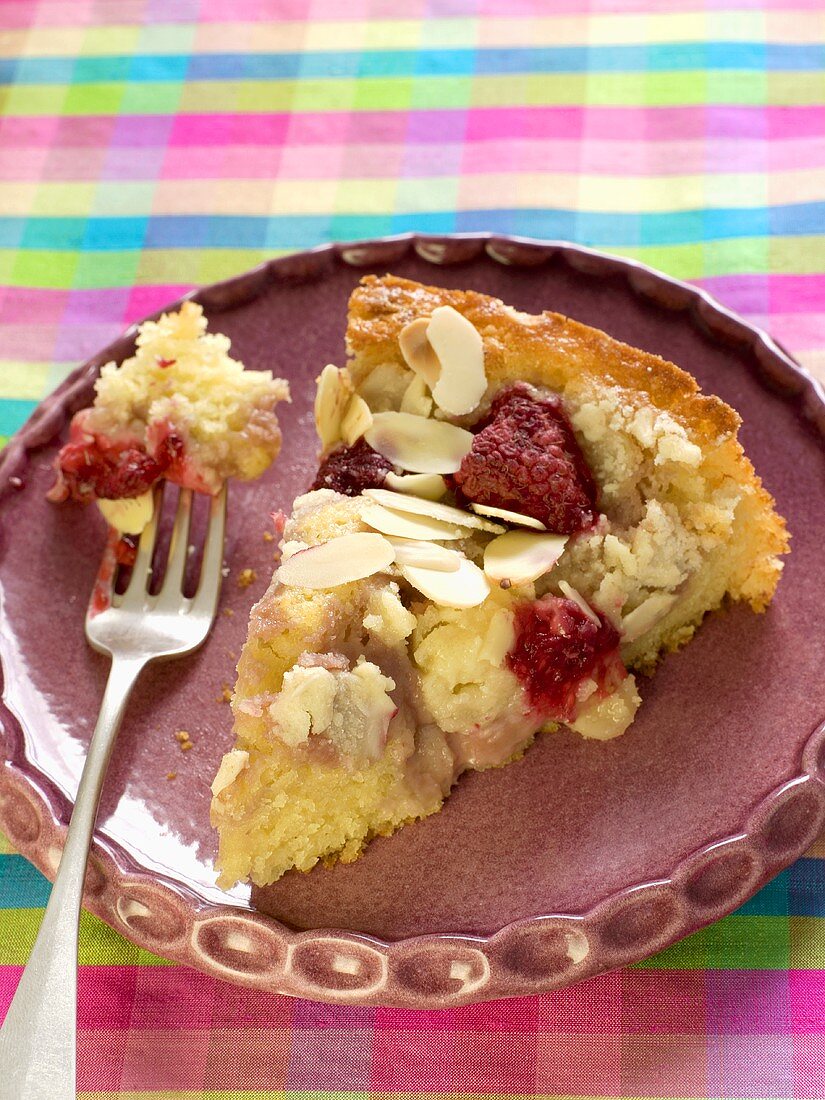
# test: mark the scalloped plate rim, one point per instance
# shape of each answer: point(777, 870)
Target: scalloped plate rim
point(119, 867)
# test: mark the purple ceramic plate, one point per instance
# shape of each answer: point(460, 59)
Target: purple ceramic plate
point(580, 857)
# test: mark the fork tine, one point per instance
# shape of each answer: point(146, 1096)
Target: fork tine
point(205, 601)
point(178, 548)
point(138, 582)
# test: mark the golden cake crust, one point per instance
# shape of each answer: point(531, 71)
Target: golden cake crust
point(546, 348)
point(551, 350)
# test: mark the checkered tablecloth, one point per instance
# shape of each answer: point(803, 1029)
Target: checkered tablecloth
point(149, 145)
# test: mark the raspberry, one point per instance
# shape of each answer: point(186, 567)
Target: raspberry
point(556, 647)
point(350, 470)
point(126, 550)
point(526, 458)
point(90, 465)
point(90, 470)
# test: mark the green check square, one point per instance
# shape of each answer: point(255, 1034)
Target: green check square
point(385, 94)
point(96, 270)
point(93, 99)
point(44, 269)
point(149, 98)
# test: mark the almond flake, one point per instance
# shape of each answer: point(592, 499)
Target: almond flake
point(417, 444)
point(292, 547)
point(516, 518)
point(425, 555)
point(573, 594)
point(356, 420)
point(608, 716)
point(432, 509)
point(418, 352)
point(339, 561)
point(331, 399)
point(426, 486)
point(416, 399)
point(458, 345)
point(408, 526)
point(465, 588)
point(638, 621)
point(129, 515)
point(231, 766)
point(522, 556)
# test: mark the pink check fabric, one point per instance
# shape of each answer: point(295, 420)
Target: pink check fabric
point(147, 146)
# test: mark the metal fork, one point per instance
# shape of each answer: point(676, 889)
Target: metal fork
point(38, 1041)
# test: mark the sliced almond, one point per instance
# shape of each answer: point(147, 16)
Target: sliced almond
point(408, 526)
point(460, 350)
point(609, 716)
point(293, 546)
point(331, 399)
point(465, 588)
point(426, 486)
point(418, 352)
point(638, 621)
point(425, 555)
point(522, 556)
point(573, 594)
point(231, 766)
point(339, 561)
point(521, 318)
point(356, 420)
point(516, 518)
point(433, 509)
point(416, 399)
point(128, 515)
point(417, 444)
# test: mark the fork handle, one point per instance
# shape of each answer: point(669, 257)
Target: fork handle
point(38, 1041)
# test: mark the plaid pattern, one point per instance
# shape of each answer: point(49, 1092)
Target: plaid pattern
point(149, 145)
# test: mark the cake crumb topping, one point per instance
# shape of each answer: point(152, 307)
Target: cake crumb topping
point(184, 740)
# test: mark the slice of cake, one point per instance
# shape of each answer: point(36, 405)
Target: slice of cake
point(511, 513)
point(179, 409)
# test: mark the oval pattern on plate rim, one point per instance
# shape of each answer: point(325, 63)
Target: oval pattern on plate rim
point(344, 967)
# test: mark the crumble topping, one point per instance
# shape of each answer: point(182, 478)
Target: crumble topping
point(349, 709)
point(184, 740)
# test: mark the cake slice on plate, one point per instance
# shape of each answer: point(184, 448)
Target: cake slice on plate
point(179, 409)
point(511, 514)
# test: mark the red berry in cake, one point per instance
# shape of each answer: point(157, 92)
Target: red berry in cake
point(93, 465)
point(90, 468)
point(526, 458)
point(558, 646)
point(350, 470)
point(126, 550)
